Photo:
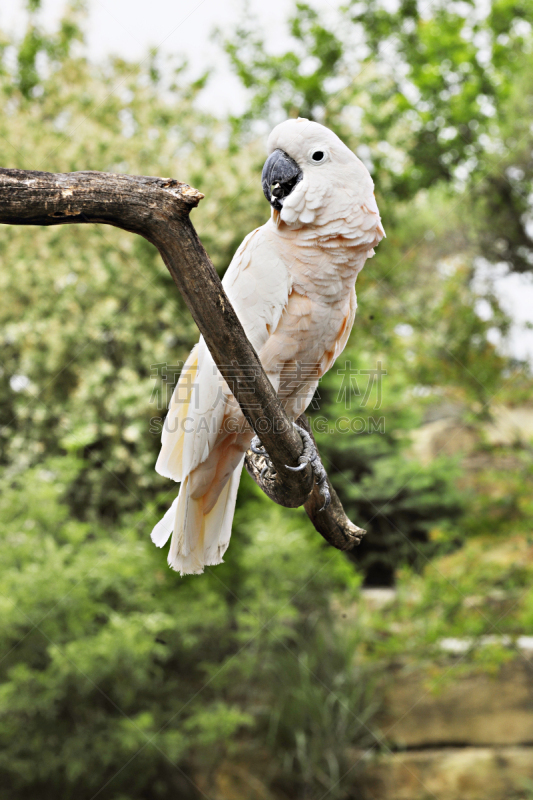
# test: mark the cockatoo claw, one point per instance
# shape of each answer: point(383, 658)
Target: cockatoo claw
point(255, 447)
point(310, 456)
point(322, 483)
point(297, 469)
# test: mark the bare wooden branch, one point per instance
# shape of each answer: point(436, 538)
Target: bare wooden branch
point(158, 209)
point(332, 523)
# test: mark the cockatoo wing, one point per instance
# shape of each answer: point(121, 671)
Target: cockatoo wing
point(257, 283)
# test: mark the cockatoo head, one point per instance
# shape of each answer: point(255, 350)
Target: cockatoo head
point(310, 174)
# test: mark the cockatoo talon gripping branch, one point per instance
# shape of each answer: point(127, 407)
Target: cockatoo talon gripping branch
point(269, 332)
point(310, 455)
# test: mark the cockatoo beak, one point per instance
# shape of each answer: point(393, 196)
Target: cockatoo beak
point(280, 175)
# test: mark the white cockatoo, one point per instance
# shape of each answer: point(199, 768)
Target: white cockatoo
point(291, 283)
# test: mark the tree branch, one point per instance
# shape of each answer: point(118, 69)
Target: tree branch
point(158, 209)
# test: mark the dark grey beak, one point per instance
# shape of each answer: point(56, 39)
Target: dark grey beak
point(280, 175)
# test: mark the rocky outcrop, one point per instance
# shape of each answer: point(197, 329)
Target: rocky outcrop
point(472, 740)
point(448, 434)
point(468, 773)
point(475, 709)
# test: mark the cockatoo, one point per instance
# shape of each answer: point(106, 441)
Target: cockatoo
point(292, 285)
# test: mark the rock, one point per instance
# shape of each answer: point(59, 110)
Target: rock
point(448, 435)
point(241, 778)
point(377, 598)
point(458, 646)
point(476, 709)
point(467, 773)
point(509, 426)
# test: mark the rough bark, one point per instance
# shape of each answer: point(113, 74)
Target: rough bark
point(158, 209)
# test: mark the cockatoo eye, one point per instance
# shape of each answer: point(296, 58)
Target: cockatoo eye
point(318, 156)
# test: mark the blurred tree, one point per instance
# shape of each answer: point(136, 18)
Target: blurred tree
point(50, 49)
point(422, 94)
point(120, 679)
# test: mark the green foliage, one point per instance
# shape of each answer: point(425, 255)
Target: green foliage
point(478, 596)
point(55, 48)
point(121, 678)
point(283, 80)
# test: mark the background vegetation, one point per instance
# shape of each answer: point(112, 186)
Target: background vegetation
point(121, 680)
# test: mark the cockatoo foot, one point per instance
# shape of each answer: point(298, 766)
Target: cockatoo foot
point(311, 456)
